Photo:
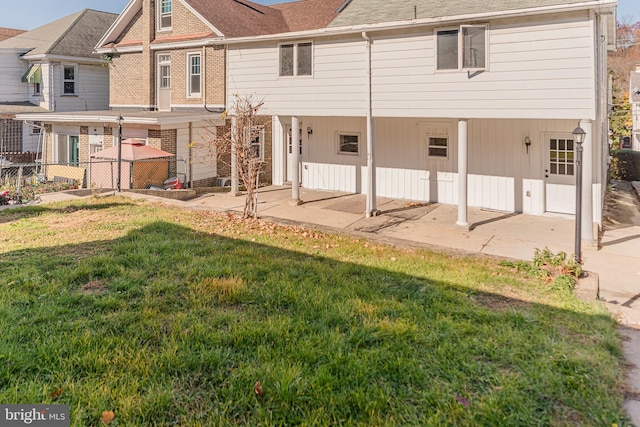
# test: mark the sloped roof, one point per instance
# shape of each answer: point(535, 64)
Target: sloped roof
point(238, 18)
point(309, 14)
point(361, 12)
point(6, 33)
point(74, 35)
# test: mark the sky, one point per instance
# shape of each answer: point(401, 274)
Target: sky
point(29, 14)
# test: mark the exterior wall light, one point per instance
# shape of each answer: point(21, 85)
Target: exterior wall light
point(527, 143)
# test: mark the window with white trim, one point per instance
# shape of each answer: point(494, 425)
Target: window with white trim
point(36, 128)
point(348, 143)
point(194, 74)
point(67, 150)
point(164, 62)
point(69, 75)
point(165, 13)
point(296, 59)
point(438, 146)
point(462, 48)
point(256, 142)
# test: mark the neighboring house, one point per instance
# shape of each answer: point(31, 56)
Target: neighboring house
point(6, 33)
point(460, 102)
point(168, 80)
point(52, 68)
point(634, 99)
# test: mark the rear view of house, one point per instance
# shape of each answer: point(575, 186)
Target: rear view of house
point(457, 102)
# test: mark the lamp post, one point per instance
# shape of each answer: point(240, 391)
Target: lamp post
point(119, 153)
point(578, 137)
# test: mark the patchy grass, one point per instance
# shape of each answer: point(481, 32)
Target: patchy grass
point(173, 317)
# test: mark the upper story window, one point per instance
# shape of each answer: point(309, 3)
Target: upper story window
point(69, 79)
point(296, 59)
point(165, 15)
point(194, 74)
point(462, 48)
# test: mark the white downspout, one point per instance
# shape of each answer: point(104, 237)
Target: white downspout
point(370, 209)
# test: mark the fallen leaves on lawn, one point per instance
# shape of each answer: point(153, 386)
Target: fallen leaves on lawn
point(56, 393)
point(107, 417)
point(257, 388)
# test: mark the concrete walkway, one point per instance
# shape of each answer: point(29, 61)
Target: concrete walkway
point(617, 262)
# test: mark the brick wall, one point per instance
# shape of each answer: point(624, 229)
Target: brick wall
point(125, 76)
point(84, 144)
point(134, 30)
point(223, 165)
point(184, 23)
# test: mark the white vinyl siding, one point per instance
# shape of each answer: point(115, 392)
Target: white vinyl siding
point(337, 86)
point(92, 88)
point(537, 67)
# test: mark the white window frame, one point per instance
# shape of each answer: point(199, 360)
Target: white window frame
point(460, 46)
point(438, 147)
point(64, 140)
point(162, 15)
point(296, 64)
point(339, 151)
point(37, 89)
point(74, 80)
point(190, 92)
point(256, 138)
point(164, 59)
point(36, 130)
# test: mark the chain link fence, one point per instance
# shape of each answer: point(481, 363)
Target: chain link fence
point(23, 182)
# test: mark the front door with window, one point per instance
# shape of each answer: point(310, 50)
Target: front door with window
point(164, 82)
point(290, 162)
point(559, 174)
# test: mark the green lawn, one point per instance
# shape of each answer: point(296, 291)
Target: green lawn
point(170, 317)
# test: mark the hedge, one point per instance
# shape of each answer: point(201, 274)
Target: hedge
point(625, 165)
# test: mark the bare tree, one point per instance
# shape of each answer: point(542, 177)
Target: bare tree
point(242, 138)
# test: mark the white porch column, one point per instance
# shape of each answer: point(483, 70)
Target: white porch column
point(371, 209)
point(587, 181)
point(462, 172)
point(295, 148)
point(234, 157)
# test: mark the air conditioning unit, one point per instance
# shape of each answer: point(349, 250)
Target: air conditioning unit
point(224, 181)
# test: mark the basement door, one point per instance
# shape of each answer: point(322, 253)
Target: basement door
point(559, 175)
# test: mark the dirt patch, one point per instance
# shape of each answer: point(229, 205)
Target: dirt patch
point(95, 287)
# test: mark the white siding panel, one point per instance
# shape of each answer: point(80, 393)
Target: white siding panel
point(538, 69)
point(332, 177)
point(337, 87)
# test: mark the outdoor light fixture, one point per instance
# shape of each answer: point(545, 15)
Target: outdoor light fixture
point(309, 131)
point(578, 137)
point(527, 143)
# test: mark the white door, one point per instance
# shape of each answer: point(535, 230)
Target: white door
point(559, 174)
point(164, 82)
point(290, 162)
